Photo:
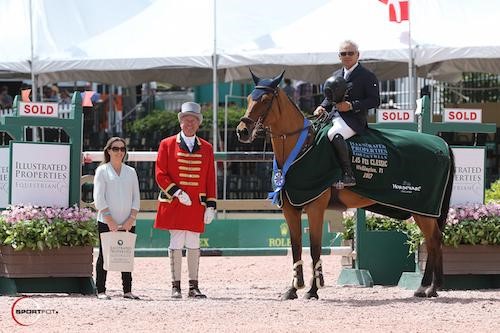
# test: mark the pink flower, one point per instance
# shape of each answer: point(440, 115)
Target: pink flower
point(14, 214)
point(473, 212)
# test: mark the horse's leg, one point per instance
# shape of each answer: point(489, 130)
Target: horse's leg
point(433, 274)
point(315, 215)
point(293, 219)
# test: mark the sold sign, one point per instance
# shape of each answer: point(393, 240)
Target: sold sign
point(395, 116)
point(462, 116)
point(39, 110)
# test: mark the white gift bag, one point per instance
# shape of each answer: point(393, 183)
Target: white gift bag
point(118, 251)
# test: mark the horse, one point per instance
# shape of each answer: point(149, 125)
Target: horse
point(272, 111)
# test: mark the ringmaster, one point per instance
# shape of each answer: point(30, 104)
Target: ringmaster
point(185, 173)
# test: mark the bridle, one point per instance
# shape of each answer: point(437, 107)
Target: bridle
point(259, 124)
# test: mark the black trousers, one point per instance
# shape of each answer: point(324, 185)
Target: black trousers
point(100, 273)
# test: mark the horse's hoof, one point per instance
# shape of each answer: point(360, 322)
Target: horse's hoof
point(289, 294)
point(311, 295)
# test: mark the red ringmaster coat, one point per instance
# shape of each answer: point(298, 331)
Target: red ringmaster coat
point(194, 173)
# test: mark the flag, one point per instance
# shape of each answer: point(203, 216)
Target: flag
point(398, 10)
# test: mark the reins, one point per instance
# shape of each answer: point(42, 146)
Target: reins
point(266, 131)
point(262, 118)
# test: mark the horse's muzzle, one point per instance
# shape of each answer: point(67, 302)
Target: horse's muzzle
point(245, 128)
point(243, 133)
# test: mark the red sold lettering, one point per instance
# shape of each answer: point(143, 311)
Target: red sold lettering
point(395, 116)
point(462, 116)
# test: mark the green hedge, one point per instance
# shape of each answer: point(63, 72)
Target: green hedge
point(163, 121)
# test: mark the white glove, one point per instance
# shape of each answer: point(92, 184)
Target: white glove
point(209, 215)
point(183, 197)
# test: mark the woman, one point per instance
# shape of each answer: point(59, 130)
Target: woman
point(117, 198)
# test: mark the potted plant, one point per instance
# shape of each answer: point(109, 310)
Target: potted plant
point(47, 242)
point(381, 247)
point(471, 239)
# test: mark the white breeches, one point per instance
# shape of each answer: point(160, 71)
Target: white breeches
point(184, 238)
point(340, 127)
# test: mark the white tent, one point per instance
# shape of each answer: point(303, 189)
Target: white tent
point(455, 36)
point(15, 45)
point(308, 46)
point(163, 40)
point(173, 41)
point(108, 41)
point(448, 37)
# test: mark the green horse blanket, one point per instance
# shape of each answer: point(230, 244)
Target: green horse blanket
point(403, 171)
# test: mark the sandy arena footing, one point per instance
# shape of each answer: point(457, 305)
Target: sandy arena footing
point(244, 297)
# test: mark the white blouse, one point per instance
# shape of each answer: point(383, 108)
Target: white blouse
point(119, 193)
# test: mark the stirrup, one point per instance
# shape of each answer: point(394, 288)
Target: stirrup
point(351, 182)
point(348, 179)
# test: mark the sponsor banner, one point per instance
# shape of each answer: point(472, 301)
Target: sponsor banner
point(395, 116)
point(4, 177)
point(40, 174)
point(462, 116)
point(39, 109)
point(468, 185)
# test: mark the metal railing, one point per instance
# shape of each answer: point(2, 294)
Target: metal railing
point(224, 203)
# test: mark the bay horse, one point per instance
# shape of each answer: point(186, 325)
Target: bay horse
point(270, 110)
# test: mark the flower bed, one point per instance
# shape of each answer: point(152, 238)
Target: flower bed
point(466, 225)
point(37, 228)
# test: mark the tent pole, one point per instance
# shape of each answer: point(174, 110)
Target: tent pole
point(34, 96)
point(214, 82)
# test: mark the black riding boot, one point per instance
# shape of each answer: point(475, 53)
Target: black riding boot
point(176, 289)
point(342, 151)
point(194, 291)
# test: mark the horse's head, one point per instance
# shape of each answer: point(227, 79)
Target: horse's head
point(260, 105)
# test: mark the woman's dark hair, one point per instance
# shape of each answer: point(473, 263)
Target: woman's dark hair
point(108, 146)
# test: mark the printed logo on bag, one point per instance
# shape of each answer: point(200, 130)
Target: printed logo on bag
point(120, 242)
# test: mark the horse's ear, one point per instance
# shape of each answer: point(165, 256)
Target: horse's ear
point(277, 79)
point(255, 78)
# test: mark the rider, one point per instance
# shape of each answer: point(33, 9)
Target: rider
point(350, 115)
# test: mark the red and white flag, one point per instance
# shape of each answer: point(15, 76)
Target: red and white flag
point(398, 10)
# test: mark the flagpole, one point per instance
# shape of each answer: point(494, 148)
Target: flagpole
point(34, 130)
point(33, 83)
point(411, 64)
point(215, 101)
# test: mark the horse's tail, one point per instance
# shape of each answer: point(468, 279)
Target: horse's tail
point(447, 194)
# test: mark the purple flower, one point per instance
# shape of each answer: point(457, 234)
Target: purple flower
point(17, 213)
point(473, 212)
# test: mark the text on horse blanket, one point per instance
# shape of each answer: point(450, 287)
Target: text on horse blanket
point(401, 169)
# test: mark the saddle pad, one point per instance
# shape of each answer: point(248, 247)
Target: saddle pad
point(401, 169)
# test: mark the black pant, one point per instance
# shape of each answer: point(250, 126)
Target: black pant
point(101, 274)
